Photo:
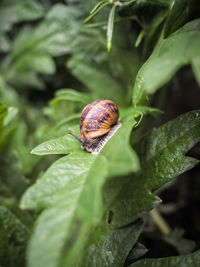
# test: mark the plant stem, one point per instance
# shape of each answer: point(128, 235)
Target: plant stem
point(160, 222)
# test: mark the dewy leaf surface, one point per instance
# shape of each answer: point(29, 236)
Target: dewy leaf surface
point(61, 145)
point(179, 49)
point(76, 207)
point(192, 259)
point(61, 173)
point(162, 158)
point(114, 249)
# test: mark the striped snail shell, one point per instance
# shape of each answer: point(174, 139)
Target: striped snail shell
point(96, 121)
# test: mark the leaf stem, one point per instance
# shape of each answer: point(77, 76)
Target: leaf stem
point(160, 222)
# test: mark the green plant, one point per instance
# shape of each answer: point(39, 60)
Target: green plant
point(74, 208)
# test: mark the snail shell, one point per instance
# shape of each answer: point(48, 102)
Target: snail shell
point(96, 121)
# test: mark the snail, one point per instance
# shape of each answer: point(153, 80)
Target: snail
point(98, 122)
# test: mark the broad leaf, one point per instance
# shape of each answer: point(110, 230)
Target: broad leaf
point(70, 207)
point(192, 259)
point(72, 187)
point(61, 145)
point(179, 49)
point(162, 157)
point(62, 172)
point(114, 249)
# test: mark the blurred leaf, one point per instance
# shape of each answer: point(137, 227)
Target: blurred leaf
point(97, 5)
point(73, 95)
point(33, 49)
point(7, 127)
point(13, 11)
point(114, 249)
point(11, 175)
point(97, 80)
point(106, 75)
point(96, 10)
point(110, 27)
point(176, 239)
point(4, 43)
point(196, 67)
point(139, 38)
point(184, 261)
point(3, 113)
point(162, 158)
point(180, 48)
point(75, 116)
point(15, 236)
point(154, 32)
point(145, 8)
point(178, 12)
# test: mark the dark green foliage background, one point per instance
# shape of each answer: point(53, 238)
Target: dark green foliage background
point(61, 206)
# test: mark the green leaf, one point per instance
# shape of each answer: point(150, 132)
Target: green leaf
point(4, 43)
point(3, 113)
point(11, 175)
point(154, 33)
point(15, 236)
point(97, 79)
point(122, 159)
point(68, 197)
point(62, 173)
point(192, 259)
point(7, 127)
point(114, 249)
point(73, 95)
point(67, 144)
point(13, 11)
point(162, 157)
point(179, 49)
point(33, 49)
point(106, 76)
point(96, 10)
point(178, 12)
point(61, 145)
point(118, 164)
point(139, 38)
point(76, 179)
point(110, 27)
point(138, 251)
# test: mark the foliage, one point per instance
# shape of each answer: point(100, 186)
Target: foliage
point(59, 205)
